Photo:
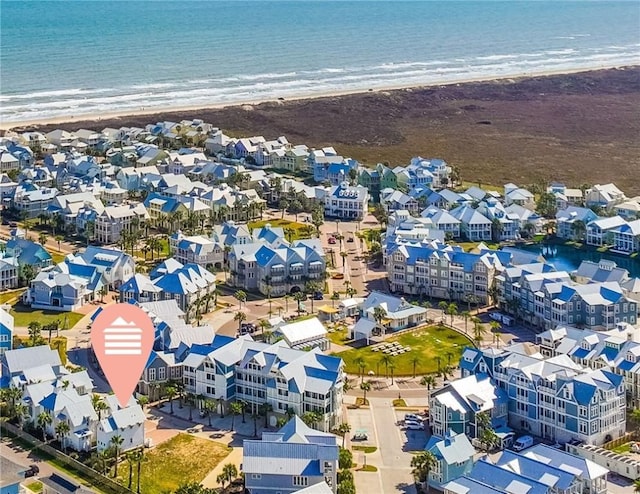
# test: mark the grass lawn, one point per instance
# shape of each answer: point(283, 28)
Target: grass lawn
point(427, 344)
point(23, 315)
point(11, 295)
point(623, 449)
point(469, 246)
point(35, 486)
point(365, 449)
point(367, 468)
point(172, 463)
point(300, 230)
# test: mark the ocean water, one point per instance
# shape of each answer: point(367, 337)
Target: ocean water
point(71, 58)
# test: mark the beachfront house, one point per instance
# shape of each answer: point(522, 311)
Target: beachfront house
point(605, 196)
point(454, 457)
point(126, 422)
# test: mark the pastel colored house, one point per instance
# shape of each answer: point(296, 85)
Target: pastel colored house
point(289, 460)
point(454, 458)
point(454, 408)
point(28, 252)
point(6, 331)
point(346, 202)
point(12, 476)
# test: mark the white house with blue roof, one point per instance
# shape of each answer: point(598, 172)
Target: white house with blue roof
point(399, 314)
point(291, 459)
point(64, 287)
point(6, 331)
point(126, 422)
point(114, 265)
point(33, 200)
point(474, 226)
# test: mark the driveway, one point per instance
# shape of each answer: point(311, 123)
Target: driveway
point(392, 458)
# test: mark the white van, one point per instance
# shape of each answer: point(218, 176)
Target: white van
point(523, 442)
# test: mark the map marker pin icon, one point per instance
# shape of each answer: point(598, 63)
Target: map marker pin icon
point(122, 339)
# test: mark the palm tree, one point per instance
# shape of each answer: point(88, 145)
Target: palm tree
point(42, 238)
point(138, 458)
point(59, 238)
point(360, 363)
point(344, 428)
point(386, 360)
point(392, 367)
point(422, 464)
point(130, 457)
point(229, 472)
point(116, 442)
point(98, 405)
point(35, 332)
point(62, 429)
point(478, 330)
point(171, 392)
point(236, 408)
point(429, 381)
point(415, 360)
point(209, 408)
point(44, 420)
point(452, 310)
point(466, 315)
point(240, 317)
point(379, 313)
point(241, 297)
point(20, 411)
point(365, 386)
point(190, 399)
point(265, 409)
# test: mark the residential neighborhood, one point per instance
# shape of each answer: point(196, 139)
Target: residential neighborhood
point(321, 325)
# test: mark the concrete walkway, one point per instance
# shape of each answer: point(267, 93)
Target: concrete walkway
point(234, 457)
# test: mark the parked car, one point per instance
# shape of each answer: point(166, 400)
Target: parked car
point(350, 239)
point(360, 435)
point(13, 224)
point(414, 426)
point(32, 471)
point(332, 240)
point(523, 442)
point(318, 295)
point(412, 416)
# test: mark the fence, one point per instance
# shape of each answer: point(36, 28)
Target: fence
point(629, 436)
point(93, 478)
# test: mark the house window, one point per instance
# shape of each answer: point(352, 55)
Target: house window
point(152, 374)
point(256, 476)
point(300, 481)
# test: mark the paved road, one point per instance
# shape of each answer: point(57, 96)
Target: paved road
point(393, 458)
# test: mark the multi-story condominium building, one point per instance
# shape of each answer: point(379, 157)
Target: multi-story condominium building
point(456, 406)
point(256, 373)
point(115, 266)
point(441, 271)
point(346, 202)
point(564, 196)
point(570, 216)
point(270, 264)
point(196, 250)
point(554, 398)
point(474, 226)
point(290, 459)
point(114, 220)
point(617, 349)
point(517, 195)
point(546, 298)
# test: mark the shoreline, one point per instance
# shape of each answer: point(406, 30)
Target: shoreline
point(124, 115)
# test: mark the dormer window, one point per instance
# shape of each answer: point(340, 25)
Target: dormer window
point(631, 357)
point(585, 345)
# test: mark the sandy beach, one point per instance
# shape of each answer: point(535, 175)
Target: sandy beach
point(150, 110)
point(580, 127)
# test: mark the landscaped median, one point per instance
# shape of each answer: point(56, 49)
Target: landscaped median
point(432, 349)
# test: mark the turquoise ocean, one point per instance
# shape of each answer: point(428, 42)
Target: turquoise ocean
point(66, 58)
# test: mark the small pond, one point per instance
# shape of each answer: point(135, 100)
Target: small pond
point(565, 258)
